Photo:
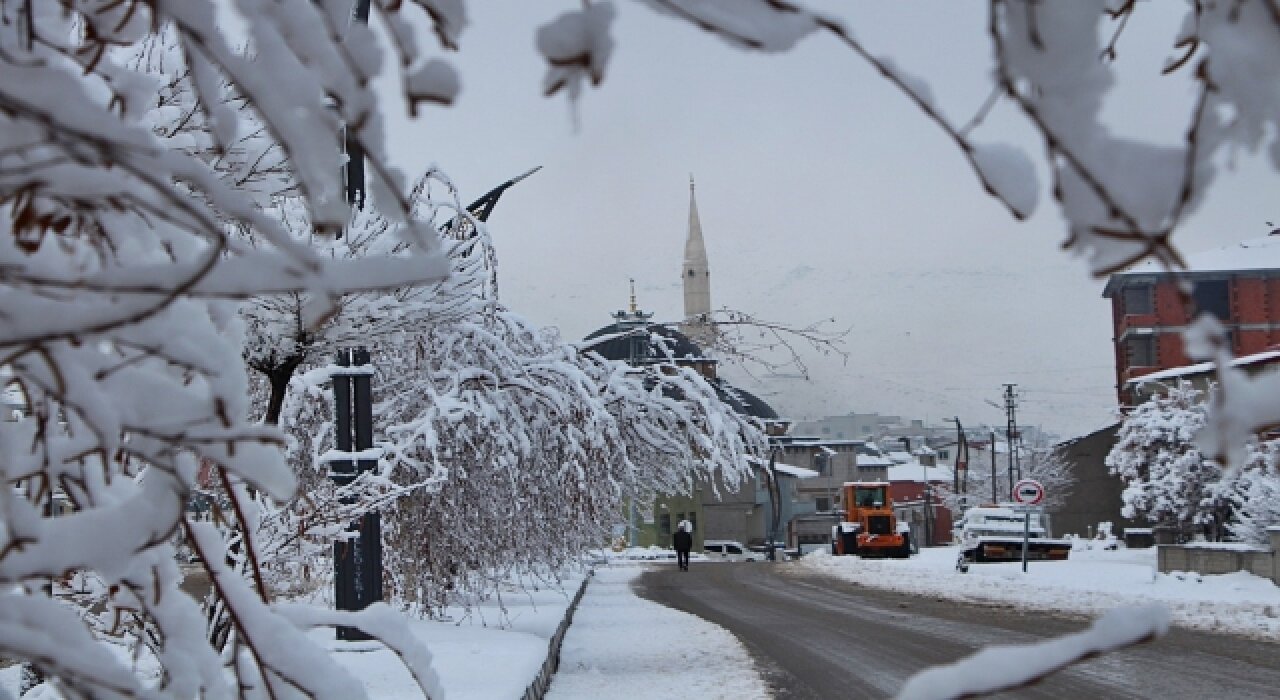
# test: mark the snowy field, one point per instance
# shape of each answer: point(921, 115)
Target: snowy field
point(1090, 582)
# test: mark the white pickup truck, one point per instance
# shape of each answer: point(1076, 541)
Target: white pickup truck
point(994, 533)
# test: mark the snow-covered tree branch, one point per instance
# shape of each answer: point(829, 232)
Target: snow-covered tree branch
point(131, 183)
point(1166, 476)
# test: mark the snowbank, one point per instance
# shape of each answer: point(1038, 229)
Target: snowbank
point(1089, 583)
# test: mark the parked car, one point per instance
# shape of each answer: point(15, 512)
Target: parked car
point(780, 551)
point(729, 550)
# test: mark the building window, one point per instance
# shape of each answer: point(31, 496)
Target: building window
point(693, 522)
point(1213, 297)
point(822, 505)
point(1138, 300)
point(1142, 351)
point(664, 524)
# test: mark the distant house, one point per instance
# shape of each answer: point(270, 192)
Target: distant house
point(915, 487)
point(818, 502)
point(1238, 284)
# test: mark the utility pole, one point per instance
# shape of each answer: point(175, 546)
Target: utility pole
point(1011, 432)
point(960, 474)
point(959, 480)
point(995, 499)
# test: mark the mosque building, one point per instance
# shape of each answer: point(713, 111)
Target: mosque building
point(635, 338)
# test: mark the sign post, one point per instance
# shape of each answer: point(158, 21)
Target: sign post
point(1029, 493)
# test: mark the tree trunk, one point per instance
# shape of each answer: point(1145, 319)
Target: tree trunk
point(279, 377)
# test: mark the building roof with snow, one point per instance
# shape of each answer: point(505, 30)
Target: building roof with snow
point(916, 472)
point(875, 461)
point(1254, 362)
point(1256, 255)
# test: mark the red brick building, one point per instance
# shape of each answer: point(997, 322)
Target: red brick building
point(1239, 284)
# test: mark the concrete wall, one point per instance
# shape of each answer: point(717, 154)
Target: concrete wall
point(1095, 497)
point(732, 521)
point(1264, 562)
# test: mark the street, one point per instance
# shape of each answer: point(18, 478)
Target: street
point(820, 638)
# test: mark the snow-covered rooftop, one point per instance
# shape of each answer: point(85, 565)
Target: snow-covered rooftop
point(797, 472)
point(1254, 254)
point(788, 469)
point(1264, 357)
point(914, 471)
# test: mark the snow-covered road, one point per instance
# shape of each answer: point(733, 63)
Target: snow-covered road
point(818, 637)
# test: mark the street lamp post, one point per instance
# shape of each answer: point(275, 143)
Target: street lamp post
point(775, 499)
point(825, 466)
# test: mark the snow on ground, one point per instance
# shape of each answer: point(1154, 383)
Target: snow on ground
point(479, 655)
point(495, 650)
point(1090, 582)
point(622, 646)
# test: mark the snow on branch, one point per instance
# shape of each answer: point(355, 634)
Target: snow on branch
point(745, 339)
point(997, 669)
point(151, 177)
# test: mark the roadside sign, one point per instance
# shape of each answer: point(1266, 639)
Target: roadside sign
point(1028, 492)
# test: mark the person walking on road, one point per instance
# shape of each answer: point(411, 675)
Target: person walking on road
point(683, 542)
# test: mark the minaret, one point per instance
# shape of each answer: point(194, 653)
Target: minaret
point(696, 272)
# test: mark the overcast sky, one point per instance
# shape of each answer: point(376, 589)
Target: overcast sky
point(823, 194)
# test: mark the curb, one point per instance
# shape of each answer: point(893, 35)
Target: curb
point(538, 688)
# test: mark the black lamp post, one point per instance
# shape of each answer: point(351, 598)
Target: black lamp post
point(357, 559)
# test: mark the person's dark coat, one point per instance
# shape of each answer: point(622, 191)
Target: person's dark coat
point(682, 541)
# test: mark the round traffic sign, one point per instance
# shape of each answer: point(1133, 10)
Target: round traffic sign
point(1028, 492)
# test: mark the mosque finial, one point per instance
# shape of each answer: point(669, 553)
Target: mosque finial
point(633, 295)
point(690, 182)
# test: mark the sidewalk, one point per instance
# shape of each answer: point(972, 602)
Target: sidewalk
point(622, 646)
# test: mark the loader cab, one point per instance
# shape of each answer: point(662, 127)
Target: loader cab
point(870, 496)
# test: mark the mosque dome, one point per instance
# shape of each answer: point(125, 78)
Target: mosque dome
point(633, 338)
